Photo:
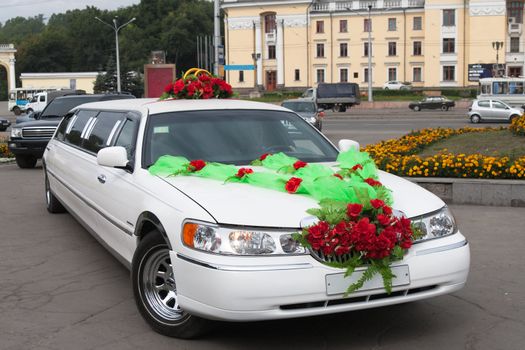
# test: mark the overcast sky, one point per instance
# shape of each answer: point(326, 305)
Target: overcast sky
point(30, 8)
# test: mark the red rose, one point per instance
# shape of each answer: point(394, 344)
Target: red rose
point(204, 77)
point(263, 157)
point(178, 86)
point(293, 184)
point(373, 182)
point(243, 171)
point(196, 165)
point(168, 88)
point(384, 220)
point(357, 166)
point(387, 210)
point(377, 203)
point(338, 176)
point(299, 164)
point(353, 210)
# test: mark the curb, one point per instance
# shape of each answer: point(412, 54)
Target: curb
point(500, 193)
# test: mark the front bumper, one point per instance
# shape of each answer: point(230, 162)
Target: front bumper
point(35, 147)
point(297, 286)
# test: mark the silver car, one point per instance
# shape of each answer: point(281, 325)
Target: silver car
point(496, 110)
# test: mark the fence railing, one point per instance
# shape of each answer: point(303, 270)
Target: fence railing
point(360, 5)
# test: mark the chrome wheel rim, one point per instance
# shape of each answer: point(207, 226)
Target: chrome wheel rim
point(159, 288)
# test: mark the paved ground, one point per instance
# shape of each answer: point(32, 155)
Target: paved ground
point(59, 289)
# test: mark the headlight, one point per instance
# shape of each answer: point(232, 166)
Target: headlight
point(16, 132)
point(239, 241)
point(436, 225)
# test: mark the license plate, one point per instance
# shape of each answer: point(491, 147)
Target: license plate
point(338, 283)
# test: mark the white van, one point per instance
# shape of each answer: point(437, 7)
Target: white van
point(41, 99)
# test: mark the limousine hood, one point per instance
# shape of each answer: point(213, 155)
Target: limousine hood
point(241, 204)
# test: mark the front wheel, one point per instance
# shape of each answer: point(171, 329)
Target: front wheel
point(25, 162)
point(28, 111)
point(512, 117)
point(17, 110)
point(475, 119)
point(417, 108)
point(155, 290)
point(444, 108)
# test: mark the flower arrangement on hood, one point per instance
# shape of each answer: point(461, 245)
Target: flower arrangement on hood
point(197, 84)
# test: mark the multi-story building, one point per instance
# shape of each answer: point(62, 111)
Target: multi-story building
point(290, 44)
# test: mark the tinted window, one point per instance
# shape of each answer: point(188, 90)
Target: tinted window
point(103, 130)
point(77, 125)
point(498, 105)
point(233, 136)
point(60, 106)
point(61, 130)
point(126, 137)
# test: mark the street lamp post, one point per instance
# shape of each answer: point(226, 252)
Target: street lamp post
point(370, 97)
point(497, 45)
point(116, 28)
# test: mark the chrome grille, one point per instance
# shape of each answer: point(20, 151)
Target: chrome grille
point(317, 254)
point(42, 132)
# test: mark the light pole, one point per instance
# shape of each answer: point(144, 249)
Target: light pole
point(216, 35)
point(116, 28)
point(497, 45)
point(370, 97)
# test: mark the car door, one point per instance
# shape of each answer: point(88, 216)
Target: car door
point(484, 109)
point(118, 200)
point(499, 110)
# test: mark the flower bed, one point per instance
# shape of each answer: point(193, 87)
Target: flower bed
point(4, 150)
point(399, 156)
point(518, 126)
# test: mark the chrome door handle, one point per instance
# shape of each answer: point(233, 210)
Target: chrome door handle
point(102, 179)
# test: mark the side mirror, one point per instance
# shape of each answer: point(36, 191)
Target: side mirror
point(344, 145)
point(114, 157)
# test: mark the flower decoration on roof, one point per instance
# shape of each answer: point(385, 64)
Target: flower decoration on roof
point(197, 84)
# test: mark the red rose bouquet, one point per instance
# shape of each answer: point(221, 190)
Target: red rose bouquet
point(197, 84)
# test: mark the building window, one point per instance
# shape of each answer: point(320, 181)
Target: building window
point(367, 23)
point(269, 23)
point(367, 50)
point(320, 50)
point(365, 75)
point(297, 75)
point(449, 18)
point(514, 44)
point(392, 25)
point(417, 77)
point(319, 26)
point(449, 73)
point(343, 75)
point(515, 10)
point(418, 23)
point(320, 76)
point(271, 52)
point(241, 76)
point(392, 74)
point(343, 26)
point(392, 48)
point(343, 50)
point(417, 48)
point(356, 75)
point(449, 45)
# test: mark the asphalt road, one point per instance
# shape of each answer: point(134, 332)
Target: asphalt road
point(60, 289)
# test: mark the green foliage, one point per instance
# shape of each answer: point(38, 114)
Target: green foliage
point(330, 210)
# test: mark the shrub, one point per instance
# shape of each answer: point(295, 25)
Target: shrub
point(518, 126)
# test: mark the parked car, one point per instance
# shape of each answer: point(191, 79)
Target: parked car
point(482, 110)
point(4, 124)
point(396, 85)
point(29, 139)
point(41, 99)
point(337, 96)
point(307, 110)
point(432, 102)
point(205, 249)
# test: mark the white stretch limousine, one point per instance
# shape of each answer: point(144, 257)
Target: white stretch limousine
point(179, 235)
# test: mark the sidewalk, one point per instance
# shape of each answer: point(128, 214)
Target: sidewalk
point(401, 104)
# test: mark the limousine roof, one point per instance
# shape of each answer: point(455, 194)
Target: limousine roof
point(154, 106)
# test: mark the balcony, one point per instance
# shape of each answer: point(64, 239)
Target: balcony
point(361, 5)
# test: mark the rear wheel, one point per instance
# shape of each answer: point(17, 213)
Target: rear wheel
point(29, 110)
point(475, 119)
point(342, 108)
point(155, 290)
point(17, 111)
point(25, 162)
point(444, 108)
point(53, 205)
point(417, 108)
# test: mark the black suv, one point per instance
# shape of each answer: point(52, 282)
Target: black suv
point(28, 140)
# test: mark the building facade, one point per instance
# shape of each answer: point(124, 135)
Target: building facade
point(294, 44)
point(71, 80)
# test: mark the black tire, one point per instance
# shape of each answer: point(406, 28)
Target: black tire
point(25, 161)
point(53, 205)
point(159, 306)
point(512, 117)
point(342, 109)
point(29, 110)
point(17, 111)
point(475, 119)
point(444, 108)
point(417, 108)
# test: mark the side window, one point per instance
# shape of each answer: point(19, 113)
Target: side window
point(61, 130)
point(484, 104)
point(76, 126)
point(126, 137)
point(102, 130)
point(42, 98)
point(498, 105)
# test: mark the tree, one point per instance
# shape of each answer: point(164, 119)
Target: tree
point(106, 82)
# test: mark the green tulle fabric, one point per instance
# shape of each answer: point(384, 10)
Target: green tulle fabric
point(318, 181)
